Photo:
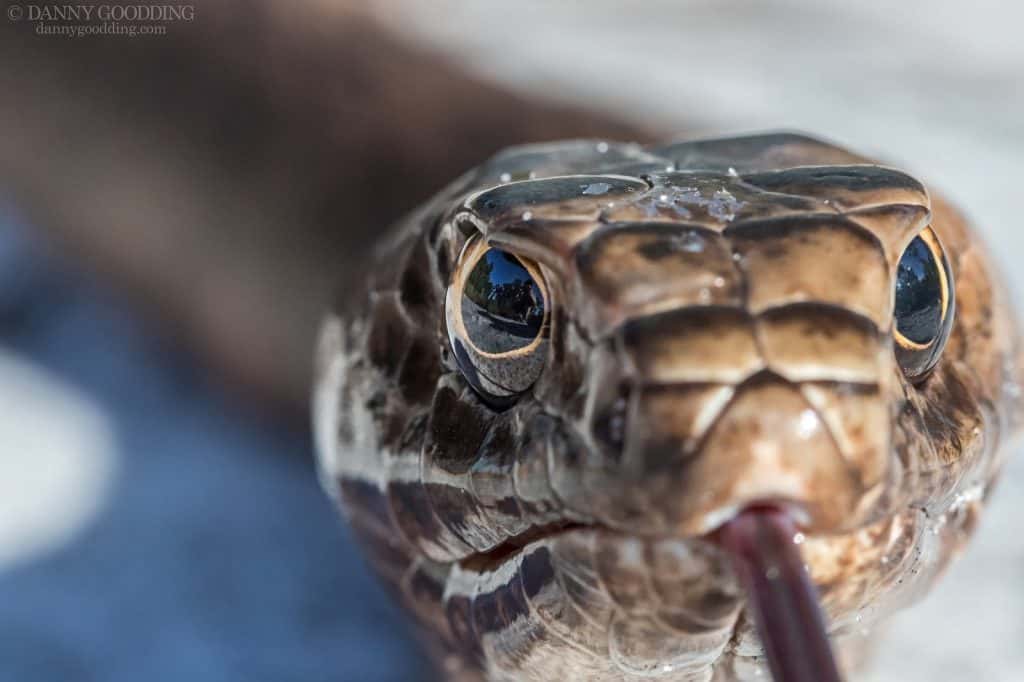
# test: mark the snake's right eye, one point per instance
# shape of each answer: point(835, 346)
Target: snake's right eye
point(496, 310)
point(925, 305)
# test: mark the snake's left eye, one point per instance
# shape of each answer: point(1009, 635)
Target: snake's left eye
point(496, 311)
point(925, 305)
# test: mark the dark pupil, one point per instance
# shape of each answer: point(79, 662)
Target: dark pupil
point(918, 294)
point(502, 307)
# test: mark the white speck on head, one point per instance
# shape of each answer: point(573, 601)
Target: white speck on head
point(807, 423)
point(505, 177)
point(631, 553)
point(527, 215)
point(602, 147)
point(719, 282)
point(798, 538)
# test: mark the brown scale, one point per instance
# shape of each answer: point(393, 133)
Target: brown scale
point(720, 324)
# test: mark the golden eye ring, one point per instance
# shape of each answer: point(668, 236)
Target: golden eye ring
point(497, 311)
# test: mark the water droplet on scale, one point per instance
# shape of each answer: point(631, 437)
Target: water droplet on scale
point(596, 188)
point(690, 242)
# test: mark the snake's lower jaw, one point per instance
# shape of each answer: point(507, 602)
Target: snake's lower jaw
point(621, 603)
point(610, 601)
point(594, 603)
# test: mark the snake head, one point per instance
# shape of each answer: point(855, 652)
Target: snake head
point(581, 360)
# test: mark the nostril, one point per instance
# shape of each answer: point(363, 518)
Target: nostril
point(609, 424)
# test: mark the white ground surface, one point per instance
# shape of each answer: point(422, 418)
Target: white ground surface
point(935, 85)
point(56, 460)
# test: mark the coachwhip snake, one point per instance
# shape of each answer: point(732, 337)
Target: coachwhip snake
point(553, 385)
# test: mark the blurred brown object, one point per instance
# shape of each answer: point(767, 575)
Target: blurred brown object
point(225, 174)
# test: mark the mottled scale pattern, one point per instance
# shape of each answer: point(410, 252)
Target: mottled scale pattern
point(721, 333)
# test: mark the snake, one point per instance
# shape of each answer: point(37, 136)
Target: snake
point(546, 391)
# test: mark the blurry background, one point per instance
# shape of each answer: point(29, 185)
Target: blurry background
point(174, 209)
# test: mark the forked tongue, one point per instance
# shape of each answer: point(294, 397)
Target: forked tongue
point(780, 595)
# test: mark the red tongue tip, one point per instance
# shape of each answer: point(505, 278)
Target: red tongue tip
point(780, 595)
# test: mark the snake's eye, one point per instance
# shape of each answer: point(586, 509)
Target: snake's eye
point(925, 305)
point(497, 310)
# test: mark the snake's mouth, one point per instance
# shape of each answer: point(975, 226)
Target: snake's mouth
point(494, 558)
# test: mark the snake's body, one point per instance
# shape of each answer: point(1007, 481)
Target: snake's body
point(721, 333)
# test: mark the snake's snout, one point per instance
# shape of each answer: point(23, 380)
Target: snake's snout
point(694, 456)
point(768, 444)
